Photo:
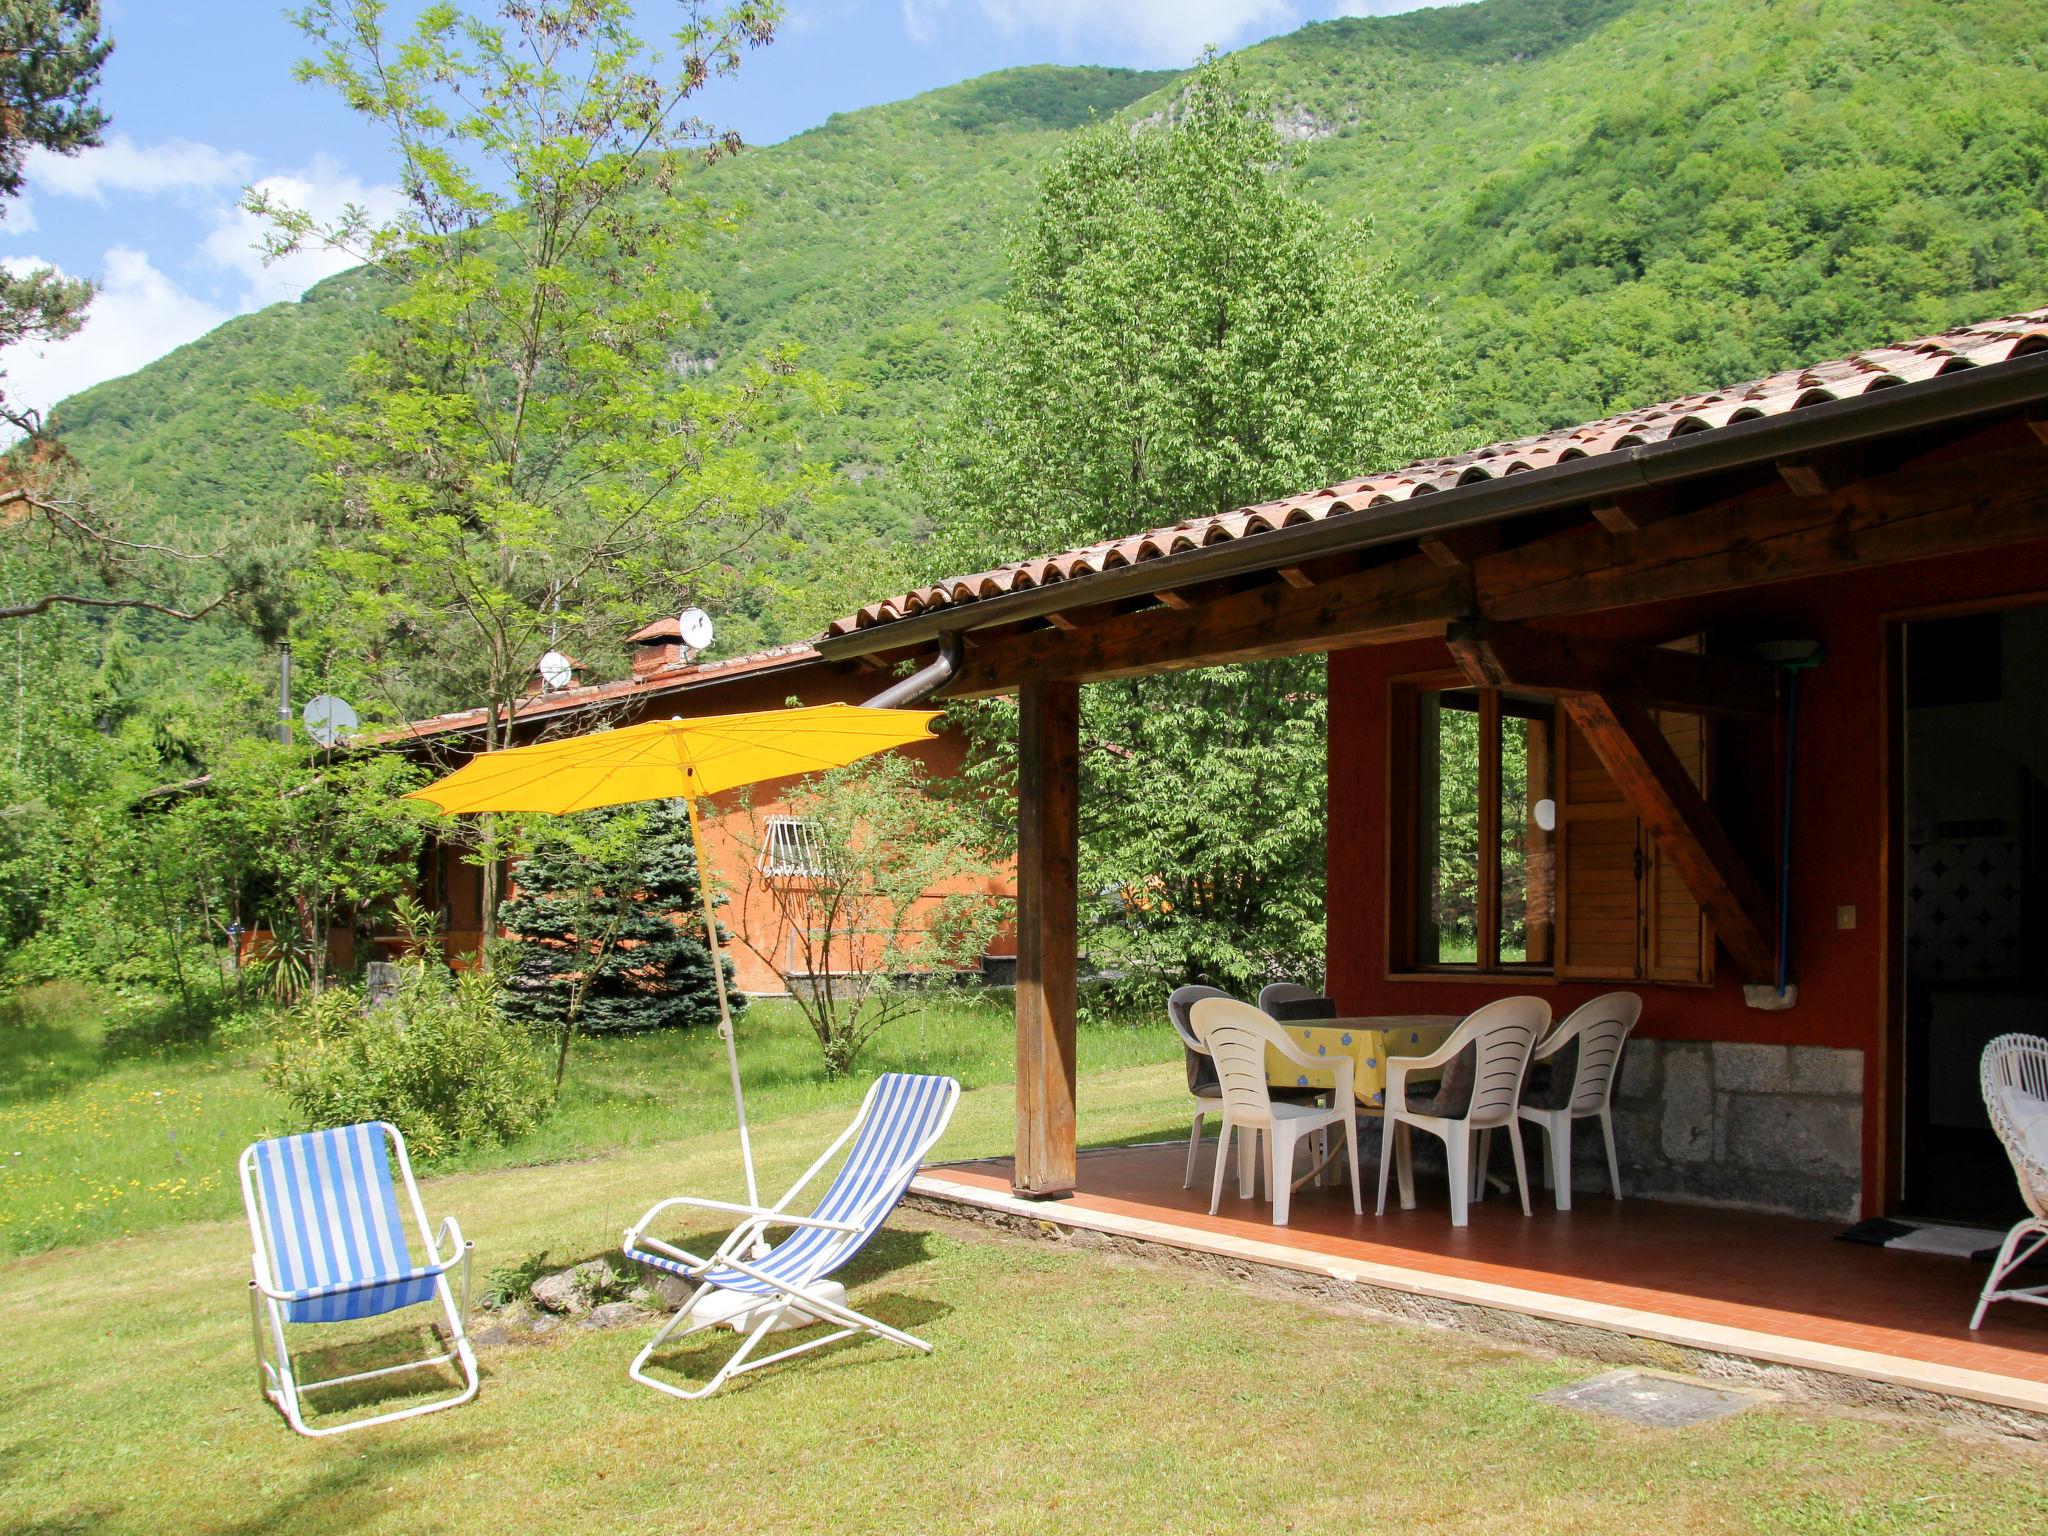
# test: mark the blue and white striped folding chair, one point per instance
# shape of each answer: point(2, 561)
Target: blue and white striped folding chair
point(330, 1246)
point(786, 1285)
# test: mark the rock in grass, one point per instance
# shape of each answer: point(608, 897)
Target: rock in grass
point(569, 1291)
point(616, 1314)
point(670, 1291)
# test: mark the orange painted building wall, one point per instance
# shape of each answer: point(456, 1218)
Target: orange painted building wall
point(1840, 811)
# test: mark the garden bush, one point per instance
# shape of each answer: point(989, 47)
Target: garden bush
point(438, 1060)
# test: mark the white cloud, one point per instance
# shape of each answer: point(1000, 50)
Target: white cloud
point(322, 189)
point(1162, 31)
point(122, 165)
point(20, 218)
point(138, 315)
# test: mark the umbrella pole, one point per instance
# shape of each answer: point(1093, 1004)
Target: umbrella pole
point(732, 1050)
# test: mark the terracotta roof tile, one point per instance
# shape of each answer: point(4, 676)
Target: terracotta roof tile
point(1843, 378)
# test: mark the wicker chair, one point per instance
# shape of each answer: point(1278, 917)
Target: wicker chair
point(2015, 1077)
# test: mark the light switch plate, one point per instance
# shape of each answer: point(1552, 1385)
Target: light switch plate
point(1845, 918)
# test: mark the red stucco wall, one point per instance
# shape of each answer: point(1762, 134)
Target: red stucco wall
point(1838, 803)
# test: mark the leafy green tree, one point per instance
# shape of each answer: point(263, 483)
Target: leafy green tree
point(1185, 333)
point(305, 842)
point(529, 458)
point(875, 887)
point(606, 913)
point(51, 54)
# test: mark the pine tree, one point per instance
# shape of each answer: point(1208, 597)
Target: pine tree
point(608, 908)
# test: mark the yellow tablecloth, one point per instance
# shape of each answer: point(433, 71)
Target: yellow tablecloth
point(1367, 1041)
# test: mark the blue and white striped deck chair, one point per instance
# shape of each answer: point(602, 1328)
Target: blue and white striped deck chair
point(330, 1246)
point(899, 1120)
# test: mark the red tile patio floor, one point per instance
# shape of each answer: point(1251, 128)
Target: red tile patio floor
point(1738, 1282)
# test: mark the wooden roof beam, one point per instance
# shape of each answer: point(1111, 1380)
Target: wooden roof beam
point(1822, 474)
point(1657, 788)
point(1409, 599)
point(1626, 514)
point(1543, 661)
point(1461, 547)
point(1992, 498)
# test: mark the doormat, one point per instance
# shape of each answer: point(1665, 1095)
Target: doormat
point(1652, 1401)
point(1976, 1243)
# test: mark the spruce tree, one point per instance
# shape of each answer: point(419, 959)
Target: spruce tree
point(619, 912)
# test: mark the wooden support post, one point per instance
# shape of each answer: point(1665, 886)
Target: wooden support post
point(1657, 788)
point(1048, 846)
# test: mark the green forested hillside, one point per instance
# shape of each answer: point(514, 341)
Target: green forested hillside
point(1610, 201)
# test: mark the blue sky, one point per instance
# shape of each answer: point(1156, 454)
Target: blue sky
point(204, 105)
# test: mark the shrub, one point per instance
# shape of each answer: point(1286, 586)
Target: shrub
point(439, 1061)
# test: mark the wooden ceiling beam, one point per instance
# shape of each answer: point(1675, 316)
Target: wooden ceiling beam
point(1626, 514)
point(1821, 474)
point(1461, 547)
point(1933, 509)
point(1406, 600)
point(1981, 502)
point(1542, 661)
point(1657, 788)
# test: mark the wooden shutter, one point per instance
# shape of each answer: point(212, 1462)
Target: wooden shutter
point(1678, 944)
point(1599, 903)
point(1623, 913)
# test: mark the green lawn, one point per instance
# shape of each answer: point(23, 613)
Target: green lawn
point(1069, 1391)
point(94, 1145)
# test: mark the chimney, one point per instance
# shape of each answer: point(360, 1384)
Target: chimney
point(658, 645)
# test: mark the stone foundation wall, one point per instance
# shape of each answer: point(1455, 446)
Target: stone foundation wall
point(1766, 1127)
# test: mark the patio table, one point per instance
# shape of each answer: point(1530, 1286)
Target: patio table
point(1368, 1041)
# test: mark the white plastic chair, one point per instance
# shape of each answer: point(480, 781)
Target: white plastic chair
point(1501, 1036)
point(2014, 1073)
point(1598, 1030)
point(1202, 1086)
point(1274, 993)
point(1237, 1035)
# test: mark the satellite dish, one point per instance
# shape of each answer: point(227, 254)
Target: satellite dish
point(328, 718)
point(695, 628)
point(556, 670)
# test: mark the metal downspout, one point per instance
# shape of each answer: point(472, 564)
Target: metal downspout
point(926, 680)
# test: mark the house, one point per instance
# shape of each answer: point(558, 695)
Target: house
point(664, 679)
point(1759, 685)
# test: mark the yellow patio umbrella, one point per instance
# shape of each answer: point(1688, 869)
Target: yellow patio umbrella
point(686, 760)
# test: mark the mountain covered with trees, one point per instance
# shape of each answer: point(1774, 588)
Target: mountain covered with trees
point(1606, 202)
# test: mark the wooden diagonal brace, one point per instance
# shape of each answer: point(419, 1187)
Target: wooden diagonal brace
point(1657, 788)
point(1544, 661)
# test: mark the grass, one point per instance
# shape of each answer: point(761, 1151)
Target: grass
point(95, 1143)
point(1069, 1391)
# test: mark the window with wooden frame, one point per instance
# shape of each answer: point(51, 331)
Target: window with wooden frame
point(1473, 887)
point(1513, 852)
